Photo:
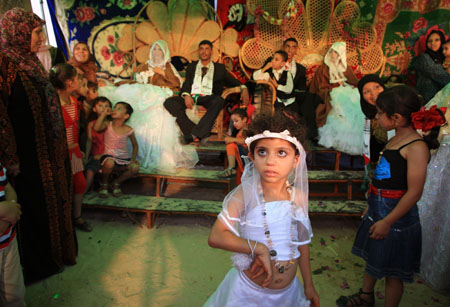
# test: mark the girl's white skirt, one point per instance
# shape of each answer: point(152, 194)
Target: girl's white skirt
point(238, 290)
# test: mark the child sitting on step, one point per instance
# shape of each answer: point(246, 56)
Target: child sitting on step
point(265, 222)
point(95, 145)
point(236, 145)
point(276, 73)
point(117, 155)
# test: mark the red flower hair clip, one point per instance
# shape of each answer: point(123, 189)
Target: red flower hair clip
point(428, 119)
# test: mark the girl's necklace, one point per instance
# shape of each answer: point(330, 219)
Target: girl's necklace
point(272, 251)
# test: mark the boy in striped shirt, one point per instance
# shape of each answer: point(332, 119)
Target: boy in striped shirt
point(11, 281)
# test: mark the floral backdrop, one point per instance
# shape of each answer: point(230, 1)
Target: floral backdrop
point(401, 26)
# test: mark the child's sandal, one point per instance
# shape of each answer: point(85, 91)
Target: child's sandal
point(355, 300)
point(82, 225)
point(103, 190)
point(117, 192)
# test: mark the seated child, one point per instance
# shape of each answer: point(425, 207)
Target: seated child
point(265, 222)
point(11, 282)
point(95, 145)
point(117, 155)
point(64, 78)
point(280, 78)
point(236, 145)
point(446, 52)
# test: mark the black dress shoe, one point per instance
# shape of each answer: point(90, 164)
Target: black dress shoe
point(186, 139)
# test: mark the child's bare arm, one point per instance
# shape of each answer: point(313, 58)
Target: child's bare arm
point(135, 146)
point(305, 269)
point(417, 156)
point(101, 122)
point(221, 237)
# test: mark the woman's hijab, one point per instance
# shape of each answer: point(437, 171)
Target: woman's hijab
point(89, 67)
point(16, 26)
point(368, 109)
point(153, 61)
point(437, 56)
point(337, 68)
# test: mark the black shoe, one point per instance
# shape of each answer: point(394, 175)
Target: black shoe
point(204, 140)
point(186, 139)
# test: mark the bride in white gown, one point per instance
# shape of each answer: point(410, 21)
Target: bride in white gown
point(156, 130)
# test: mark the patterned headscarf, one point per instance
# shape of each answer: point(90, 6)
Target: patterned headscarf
point(89, 67)
point(16, 26)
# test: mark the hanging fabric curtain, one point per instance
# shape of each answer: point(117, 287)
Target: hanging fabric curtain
point(59, 35)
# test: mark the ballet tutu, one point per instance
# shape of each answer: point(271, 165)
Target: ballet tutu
point(344, 127)
point(238, 290)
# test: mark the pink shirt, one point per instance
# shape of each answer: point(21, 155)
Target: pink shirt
point(117, 145)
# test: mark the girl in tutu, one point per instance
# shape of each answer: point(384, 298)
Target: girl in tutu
point(339, 118)
point(389, 238)
point(156, 130)
point(265, 222)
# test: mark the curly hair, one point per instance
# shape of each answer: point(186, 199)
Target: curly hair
point(280, 121)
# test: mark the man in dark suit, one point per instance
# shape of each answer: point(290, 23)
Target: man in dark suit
point(204, 82)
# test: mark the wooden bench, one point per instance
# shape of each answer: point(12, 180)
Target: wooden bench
point(153, 206)
point(336, 177)
point(188, 176)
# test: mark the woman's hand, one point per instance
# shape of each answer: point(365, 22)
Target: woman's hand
point(379, 230)
point(312, 295)
point(159, 71)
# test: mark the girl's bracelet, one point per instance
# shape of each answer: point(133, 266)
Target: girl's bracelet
point(252, 249)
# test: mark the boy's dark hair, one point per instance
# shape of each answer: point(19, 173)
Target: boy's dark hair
point(242, 113)
point(446, 42)
point(283, 54)
point(128, 108)
point(404, 100)
point(91, 84)
point(101, 99)
point(206, 42)
point(60, 73)
point(290, 39)
point(280, 121)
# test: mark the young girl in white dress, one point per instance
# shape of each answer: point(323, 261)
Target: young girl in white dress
point(156, 130)
point(265, 222)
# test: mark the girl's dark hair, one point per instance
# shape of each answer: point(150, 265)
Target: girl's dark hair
point(92, 115)
point(399, 99)
point(283, 54)
point(60, 73)
point(242, 113)
point(280, 121)
point(431, 138)
point(404, 100)
point(128, 108)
